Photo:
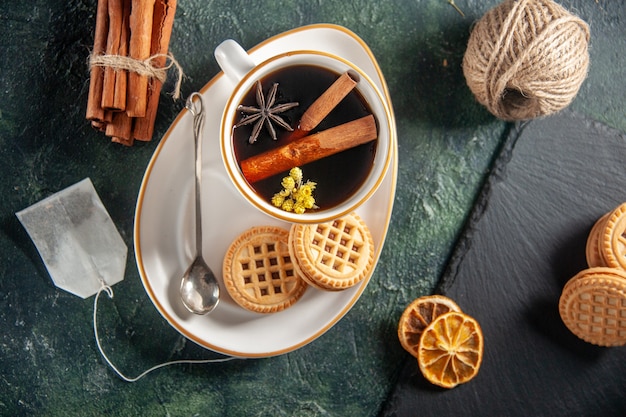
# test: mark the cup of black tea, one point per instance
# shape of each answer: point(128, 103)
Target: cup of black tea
point(306, 136)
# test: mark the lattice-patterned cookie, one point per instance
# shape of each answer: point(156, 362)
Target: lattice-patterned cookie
point(593, 251)
point(334, 255)
point(259, 273)
point(593, 306)
point(613, 238)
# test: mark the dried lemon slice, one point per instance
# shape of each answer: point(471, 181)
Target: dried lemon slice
point(451, 349)
point(418, 315)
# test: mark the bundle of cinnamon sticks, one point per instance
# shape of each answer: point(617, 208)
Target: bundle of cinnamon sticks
point(131, 42)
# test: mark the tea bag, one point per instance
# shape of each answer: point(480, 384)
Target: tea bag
point(83, 251)
point(77, 240)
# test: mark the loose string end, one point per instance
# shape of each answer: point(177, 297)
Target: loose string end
point(109, 291)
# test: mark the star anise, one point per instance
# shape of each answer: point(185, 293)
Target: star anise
point(265, 113)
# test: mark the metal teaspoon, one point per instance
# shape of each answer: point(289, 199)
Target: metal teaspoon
point(199, 290)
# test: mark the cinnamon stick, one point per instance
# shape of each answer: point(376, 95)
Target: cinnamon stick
point(139, 48)
point(309, 149)
point(120, 129)
point(121, 76)
point(99, 125)
point(327, 101)
point(325, 104)
point(95, 112)
point(122, 141)
point(163, 22)
point(111, 99)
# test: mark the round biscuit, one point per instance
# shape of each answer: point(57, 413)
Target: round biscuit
point(296, 264)
point(593, 252)
point(613, 238)
point(593, 306)
point(334, 255)
point(259, 273)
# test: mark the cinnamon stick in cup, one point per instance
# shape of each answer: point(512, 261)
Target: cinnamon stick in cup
point(327, 102)
point(309, 149)
point(139, 48)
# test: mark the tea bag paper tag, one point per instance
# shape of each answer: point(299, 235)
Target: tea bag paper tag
point(77, 240)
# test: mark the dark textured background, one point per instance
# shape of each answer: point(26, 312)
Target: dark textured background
point(49, 364)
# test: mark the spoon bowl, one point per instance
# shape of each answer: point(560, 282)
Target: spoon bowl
point(199, 289)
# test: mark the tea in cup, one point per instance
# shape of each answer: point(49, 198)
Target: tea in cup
point(306, 136)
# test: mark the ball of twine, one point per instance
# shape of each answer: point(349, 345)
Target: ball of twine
point(526, 59)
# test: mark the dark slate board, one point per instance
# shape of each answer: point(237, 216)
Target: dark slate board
point(524, 240)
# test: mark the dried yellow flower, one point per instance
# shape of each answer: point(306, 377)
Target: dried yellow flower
point(295, 195)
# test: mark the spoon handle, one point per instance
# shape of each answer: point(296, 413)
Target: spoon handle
point(196, 108)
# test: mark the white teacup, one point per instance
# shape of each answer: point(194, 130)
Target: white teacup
point(244, 73)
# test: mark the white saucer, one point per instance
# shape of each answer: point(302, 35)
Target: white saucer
point(164, 225)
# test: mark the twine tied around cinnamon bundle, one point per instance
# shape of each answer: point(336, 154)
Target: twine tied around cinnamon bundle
point(526, 59)
point(144, 67)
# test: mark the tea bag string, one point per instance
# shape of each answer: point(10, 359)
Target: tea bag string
point(106, 288)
